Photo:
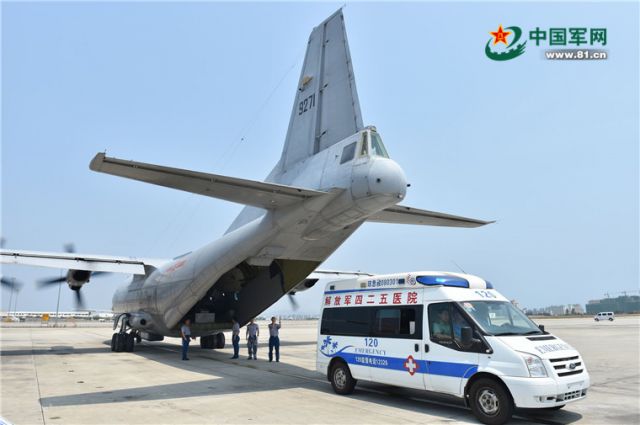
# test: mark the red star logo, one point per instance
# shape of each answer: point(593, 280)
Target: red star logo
point(500, 36)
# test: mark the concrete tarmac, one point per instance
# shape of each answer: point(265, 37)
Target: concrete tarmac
point(70, 376)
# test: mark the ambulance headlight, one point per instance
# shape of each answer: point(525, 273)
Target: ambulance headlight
point(535, 365)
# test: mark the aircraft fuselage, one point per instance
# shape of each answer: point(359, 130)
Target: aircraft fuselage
point(297, 238)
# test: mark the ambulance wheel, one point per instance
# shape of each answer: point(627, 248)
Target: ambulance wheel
point(610, 319)
point(341, 379)
point(490, 402)
point(113, 342)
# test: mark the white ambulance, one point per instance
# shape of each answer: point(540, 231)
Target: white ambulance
point(449, 333)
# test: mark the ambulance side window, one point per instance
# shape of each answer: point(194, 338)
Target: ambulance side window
point(440, 327)
point(445, 326)
point(346, 321)
point(398, 322)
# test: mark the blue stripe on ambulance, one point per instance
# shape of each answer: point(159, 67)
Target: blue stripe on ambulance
point(430, 367)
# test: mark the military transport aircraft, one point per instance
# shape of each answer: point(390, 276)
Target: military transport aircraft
point(334, 174)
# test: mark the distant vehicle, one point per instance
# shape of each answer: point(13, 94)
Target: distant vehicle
point(604, 315)
point(448, 333)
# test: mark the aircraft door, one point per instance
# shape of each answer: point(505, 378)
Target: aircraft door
point(448, 361)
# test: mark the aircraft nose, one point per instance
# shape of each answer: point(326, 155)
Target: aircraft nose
point(387, 178)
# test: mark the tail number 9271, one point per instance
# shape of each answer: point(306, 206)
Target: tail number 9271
point(306, 104)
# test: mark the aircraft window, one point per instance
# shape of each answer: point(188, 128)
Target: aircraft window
point(364, 148)
point(377, 148)
point(348, 153)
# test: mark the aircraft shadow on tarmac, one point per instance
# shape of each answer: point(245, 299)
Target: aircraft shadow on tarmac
point(229, 376)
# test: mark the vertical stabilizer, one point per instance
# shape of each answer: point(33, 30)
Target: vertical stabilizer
point(326, 107)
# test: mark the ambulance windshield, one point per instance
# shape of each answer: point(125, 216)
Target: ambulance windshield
point(500, 318)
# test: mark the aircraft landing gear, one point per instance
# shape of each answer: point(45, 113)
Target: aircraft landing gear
point(121, 340)
point(212, 341)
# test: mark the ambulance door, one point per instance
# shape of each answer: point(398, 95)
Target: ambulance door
point(395, 346)
point(449, 364)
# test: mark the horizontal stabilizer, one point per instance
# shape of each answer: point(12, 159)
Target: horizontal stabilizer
point(242, 191)
point(400, 214)
point(75, 261)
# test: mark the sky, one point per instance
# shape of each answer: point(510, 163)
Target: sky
point(548, 149)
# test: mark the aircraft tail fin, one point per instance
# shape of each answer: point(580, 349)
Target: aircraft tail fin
point(326, 107)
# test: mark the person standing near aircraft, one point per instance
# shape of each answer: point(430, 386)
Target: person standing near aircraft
point(235, 338)
point(253, 332)
point(185, 333)
point(274, 338)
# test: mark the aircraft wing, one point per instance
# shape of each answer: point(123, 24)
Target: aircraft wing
point(247, 192)
point(75, 261)
point(400, 214)
point(324, 274)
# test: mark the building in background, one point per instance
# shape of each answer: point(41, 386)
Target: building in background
point(621, 304)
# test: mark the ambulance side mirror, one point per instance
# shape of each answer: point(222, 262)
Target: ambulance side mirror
point(466, 336)
point(541, 327)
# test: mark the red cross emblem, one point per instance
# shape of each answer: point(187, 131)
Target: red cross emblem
point(411, 365)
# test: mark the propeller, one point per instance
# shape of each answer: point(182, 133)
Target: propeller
point(75, 278)
point(11, 283)
point(79, 299)
point(292, 300)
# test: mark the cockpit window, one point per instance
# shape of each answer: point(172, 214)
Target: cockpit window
point(377, 148)
point(364, 147)
point(348, 153)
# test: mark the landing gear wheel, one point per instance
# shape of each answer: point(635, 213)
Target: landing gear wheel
point(129, 343)
point(490, 402)
point(341, 379)
point(207, 342)
point(219, 340)
point(120, 342)
point(138, 338)
point(113, 342)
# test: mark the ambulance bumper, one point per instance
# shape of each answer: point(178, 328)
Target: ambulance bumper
point(540, 393)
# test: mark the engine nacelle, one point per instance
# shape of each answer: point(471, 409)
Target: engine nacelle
point(140, 321)
point(77, 278)
point(304, 285)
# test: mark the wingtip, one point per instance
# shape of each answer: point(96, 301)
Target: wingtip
point(96, 162)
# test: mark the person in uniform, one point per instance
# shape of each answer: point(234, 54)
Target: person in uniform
point(185, 333)
point(274, 338)
point(235, 338)
point(253, 332)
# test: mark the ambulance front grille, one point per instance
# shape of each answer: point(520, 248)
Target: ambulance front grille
point(571, 395)
point(567, 366)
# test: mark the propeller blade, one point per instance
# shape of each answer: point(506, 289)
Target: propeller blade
point(46, 282)
point(292, 300)
point(11, 283)
point(94, 274)
point(79, 300)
